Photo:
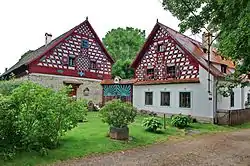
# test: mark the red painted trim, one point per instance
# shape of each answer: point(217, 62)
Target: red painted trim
point(58, 42)
point(66, 72)
point(144, 47)
point(101, 44)
point(70, 32)
point(149, 40)
point(190, 55)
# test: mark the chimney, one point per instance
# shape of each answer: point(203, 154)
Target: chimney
point(48, 38)
point(206, 39)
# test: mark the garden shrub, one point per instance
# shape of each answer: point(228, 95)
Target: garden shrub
point(152, 124)
point(6, 87)
point(34, 118)
point(118, 114)
point(180, 121)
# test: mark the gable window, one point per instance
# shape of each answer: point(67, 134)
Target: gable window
point(224, 68)
point(161, 48)
point(171, 71)
point(71, 61)
point(165, 98)
point(232, 99)
point(150, 73)
point(93, 65)
point(148, 98)
point(185, 100)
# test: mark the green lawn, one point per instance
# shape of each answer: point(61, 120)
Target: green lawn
point(91, 138)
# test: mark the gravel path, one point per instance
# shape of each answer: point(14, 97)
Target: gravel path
point(223, 149)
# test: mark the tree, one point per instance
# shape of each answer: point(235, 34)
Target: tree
point(123, 44)
point(230, 19)
point(122, 68)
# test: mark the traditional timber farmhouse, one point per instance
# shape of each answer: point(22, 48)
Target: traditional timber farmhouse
point(77, 57)
point(171, 72)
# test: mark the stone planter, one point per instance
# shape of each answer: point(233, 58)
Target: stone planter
point(119, 133)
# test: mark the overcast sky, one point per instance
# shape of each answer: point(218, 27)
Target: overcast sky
point(24, 22)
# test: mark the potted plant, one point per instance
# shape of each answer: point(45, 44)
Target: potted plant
point(118, 115)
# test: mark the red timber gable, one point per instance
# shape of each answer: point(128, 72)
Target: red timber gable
point(161, 58)
point(79, 52)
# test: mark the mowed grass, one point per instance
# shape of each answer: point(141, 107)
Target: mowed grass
point(91, 138)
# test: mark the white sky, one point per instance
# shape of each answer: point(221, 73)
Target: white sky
point(24, 22)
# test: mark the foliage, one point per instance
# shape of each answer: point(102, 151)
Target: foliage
point(123, 44)
point(225, 88)
point(34, 118)
point(180, 121)
point(230, 19)
point(118, 114)
point(151, 124)
point(122, 68)
point(6, 87)
point(88, 139)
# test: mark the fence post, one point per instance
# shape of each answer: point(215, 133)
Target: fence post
point(164, 120)
point(229, 117)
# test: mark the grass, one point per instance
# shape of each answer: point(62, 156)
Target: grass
point(91, 138)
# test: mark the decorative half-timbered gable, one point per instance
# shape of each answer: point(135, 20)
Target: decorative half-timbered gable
point(76, 58)
point(163, 59)
point(78, 54)
point(172, 76)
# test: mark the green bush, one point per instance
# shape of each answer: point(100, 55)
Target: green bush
point(152, 124)
point(34, 118)
point(6, 87)
point(180, 121)
point(118, 114)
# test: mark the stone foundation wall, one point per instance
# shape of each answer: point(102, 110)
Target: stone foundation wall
point(56, 82)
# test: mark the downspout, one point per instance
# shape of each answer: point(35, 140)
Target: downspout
point(216, 104)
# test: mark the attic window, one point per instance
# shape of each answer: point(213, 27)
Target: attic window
point(85, 43)
point(161, 48)
point(171, 71)
point(150, 73)
point(71, 61)
point(93, 65)
point(223, 68)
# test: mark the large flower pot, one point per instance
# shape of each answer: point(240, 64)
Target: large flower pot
point(119, 133)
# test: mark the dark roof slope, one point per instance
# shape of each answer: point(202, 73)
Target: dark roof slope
point(30, 56)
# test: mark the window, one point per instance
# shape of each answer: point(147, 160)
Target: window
point(93, 65)
point(224, 68)
point(85, 43)
point(71, 61)
point(171, 71)
point(232, 100)
point(185, 100)
point(150, 73)
point(161, 48)
point(248, 98)
point(148, 98)
point(165, 98)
